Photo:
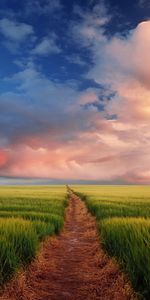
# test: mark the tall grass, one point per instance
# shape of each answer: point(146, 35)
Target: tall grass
point(27, 215)
point(18, 245)
point(128, 239)
point(123, 218)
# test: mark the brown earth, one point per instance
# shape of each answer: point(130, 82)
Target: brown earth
point(71, 266)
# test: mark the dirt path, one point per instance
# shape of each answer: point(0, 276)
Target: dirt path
point(71, 266)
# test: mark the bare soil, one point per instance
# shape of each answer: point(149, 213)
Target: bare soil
point(71, 266)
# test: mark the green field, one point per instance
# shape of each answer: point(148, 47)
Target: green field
point(27, 215)
point(123, 218)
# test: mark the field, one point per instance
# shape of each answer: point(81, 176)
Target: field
point(31, 213)
point(27, 215)
point(123, 219)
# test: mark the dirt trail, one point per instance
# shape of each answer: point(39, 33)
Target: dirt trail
point(71, 266)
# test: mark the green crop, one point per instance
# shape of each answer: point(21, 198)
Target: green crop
point(123, 218)
point(27, 215)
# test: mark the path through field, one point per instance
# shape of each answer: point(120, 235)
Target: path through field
point(71, 266)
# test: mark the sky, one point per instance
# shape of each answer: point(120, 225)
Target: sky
point(75, 90)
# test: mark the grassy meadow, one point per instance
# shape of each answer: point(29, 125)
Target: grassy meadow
point(27, 215)
point(123, 219)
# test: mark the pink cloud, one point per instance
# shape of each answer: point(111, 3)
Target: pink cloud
point(3, 158)
point(88, 97)
point(88, 144)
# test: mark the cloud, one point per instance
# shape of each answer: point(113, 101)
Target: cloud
point(46, 7)
point(77, 60)
point(47, 46)
point(3, 158)
point(67, 133)
point(15, 31)
point(15, 34)
point(143, 3)
point(34, 113)
point(88, 97)
point(91, 25)
point(122, 64)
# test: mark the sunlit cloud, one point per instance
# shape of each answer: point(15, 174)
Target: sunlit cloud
point(54, 129)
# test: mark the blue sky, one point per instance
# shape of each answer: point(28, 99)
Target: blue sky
point(40, 32)
point(64, 65)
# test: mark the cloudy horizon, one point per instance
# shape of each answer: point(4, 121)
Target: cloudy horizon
point(75, 90)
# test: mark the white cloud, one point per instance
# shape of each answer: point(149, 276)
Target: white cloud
point(15, 31)
point(76, 59)
point(122, 64)
point(46, 46)
point(91, 25)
